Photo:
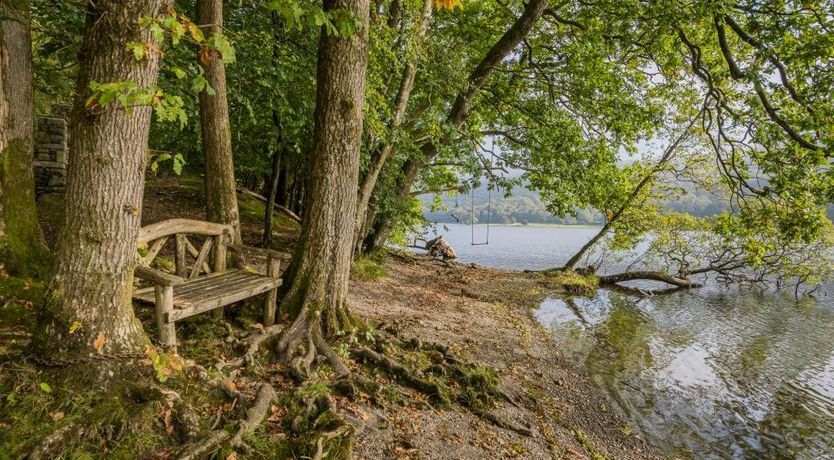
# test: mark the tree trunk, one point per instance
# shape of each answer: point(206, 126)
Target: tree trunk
point(22, 247)
point(645, 181)
point(88, 308)
point(269, 212)
point(381, 154)
point(221, 200)
point(459, 112)
point(272, 187)
point(320, 269)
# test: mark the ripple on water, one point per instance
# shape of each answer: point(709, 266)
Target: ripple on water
point(720, 373)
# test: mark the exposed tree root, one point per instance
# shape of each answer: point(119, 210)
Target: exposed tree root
point(255, 341)
point(54, 440)
point(507, 425)
point(302, 341)
point(255, 414)
point(341, 431)
point(322, 432)
point(408, 377)
point(187, 419)
point(254, 417)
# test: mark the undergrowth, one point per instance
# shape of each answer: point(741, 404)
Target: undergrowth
point(367, 269)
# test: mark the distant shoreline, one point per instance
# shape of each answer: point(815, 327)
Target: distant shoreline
point(537, 225)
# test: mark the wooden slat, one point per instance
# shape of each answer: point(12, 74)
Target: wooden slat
point(203, 295)
point(195, 253)
point(201, 258)
point(201, 282)
point(153, 251)
point(220, 253)
point(157, 277)
point(187, 291)
point(223, 299)
point(151, 232)
point(179, 258)
point(203, 286)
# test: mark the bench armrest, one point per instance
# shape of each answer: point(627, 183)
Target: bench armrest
point(157, 277)
point(239, 248)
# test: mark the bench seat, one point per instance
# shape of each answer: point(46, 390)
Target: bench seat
point(211, 291)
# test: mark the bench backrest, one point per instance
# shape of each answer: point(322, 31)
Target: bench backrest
point(211, 257)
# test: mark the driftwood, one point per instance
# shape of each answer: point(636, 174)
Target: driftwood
point(677, 283)
point(277, 206)
point(440, 248)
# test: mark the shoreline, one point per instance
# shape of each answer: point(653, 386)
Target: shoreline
point(520, 225)
point(486, 316)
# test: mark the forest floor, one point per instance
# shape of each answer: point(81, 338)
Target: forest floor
point(550, 409)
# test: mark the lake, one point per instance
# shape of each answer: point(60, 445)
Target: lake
point(717, 372)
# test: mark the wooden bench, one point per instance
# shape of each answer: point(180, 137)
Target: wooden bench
point(207, 285)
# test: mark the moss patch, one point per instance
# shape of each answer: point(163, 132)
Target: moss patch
point(367, 269)
point(22, 246)
point(572, 283)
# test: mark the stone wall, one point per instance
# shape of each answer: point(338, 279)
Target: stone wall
point(50, 160)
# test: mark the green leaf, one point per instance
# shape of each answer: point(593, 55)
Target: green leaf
point(223, 46)
point(157, 32)
point(45, 387)
point(138, 49)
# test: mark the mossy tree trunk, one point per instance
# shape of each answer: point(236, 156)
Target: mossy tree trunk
point(320, 270)
point(22, 247)
point(88, 307)
point(221, 197)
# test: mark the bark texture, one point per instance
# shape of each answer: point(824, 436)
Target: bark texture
point(22, 247)
point(221, 200)
point(320, 270)
point(88, 309)
point(458, 114)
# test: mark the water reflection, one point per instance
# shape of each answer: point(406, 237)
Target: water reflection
point(715, 373)
point(708, 373)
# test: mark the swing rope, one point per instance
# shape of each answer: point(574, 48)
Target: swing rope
point(489, 208)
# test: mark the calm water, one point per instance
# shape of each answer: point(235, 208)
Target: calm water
point(710, 373)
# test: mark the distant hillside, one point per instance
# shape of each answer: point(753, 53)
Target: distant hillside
point(525, 206)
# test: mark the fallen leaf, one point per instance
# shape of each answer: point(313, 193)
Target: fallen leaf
point(45, 387)
point(99, 342)
point(74, 327)
point(57, 416)
point(232, 456)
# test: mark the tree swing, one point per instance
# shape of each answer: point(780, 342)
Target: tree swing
point(489, 207)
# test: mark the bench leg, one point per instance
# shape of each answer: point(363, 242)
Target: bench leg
point(164, 305)
point(273, 270)
point(217, 313)
point(269, 307)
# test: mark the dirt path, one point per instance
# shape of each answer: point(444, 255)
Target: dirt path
point(485, 316)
